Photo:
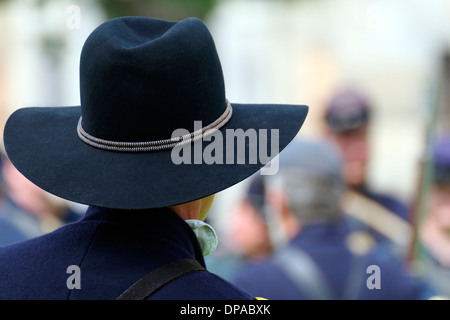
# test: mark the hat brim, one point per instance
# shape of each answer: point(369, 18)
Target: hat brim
point(43, 144)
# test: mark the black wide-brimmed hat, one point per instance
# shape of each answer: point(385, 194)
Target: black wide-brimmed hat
point(146, 86)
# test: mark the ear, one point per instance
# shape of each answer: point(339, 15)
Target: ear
point(277, 199)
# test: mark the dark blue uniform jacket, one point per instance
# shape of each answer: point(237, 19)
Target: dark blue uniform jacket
point(113, 249)
point(343, 271)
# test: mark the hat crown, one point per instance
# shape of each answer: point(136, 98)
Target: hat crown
point(441, 151)
point(316, 157)
point(142, 78)
point(348, 109)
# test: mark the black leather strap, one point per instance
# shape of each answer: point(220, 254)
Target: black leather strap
point(156, 279)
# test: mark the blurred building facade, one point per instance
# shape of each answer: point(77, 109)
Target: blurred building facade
point(302, 51)
point(40, 46)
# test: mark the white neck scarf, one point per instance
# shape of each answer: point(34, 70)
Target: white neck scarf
point(205, 234)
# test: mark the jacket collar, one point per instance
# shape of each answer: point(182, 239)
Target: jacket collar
point(160, 223)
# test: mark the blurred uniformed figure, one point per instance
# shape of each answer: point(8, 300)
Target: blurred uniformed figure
point(322, 257)
point(382, 216)
point(27, 211)
point(246, 235)
point(434, 230)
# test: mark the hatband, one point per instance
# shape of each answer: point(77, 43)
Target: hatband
point(145, 146)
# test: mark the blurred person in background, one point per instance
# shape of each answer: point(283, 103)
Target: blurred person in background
point(434, 230)
point(246, 238)
point(348, 117)
point(27, 211)
point(322, 258)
